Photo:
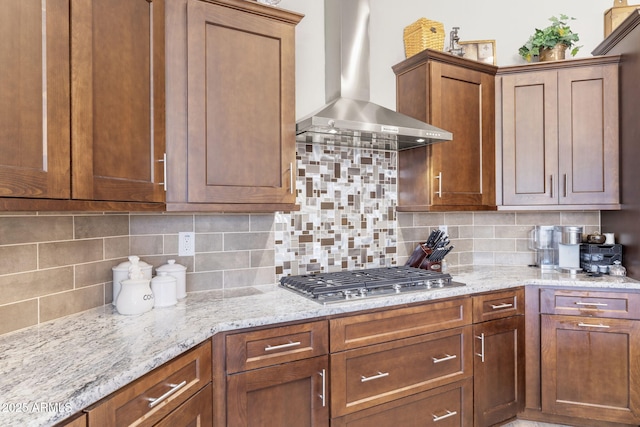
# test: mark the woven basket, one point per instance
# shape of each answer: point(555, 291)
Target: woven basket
point(423, 34)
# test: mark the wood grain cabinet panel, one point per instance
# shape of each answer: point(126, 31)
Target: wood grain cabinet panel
point(82, 105)
point(289, 394)
point(498, 370)
point(151, 398)
point(35, 137)
point(457, 95)
point(591, 368)
point(231, 106)
point(257, 349)
point(559, 134)
point(450, 405)
point(117, 109)
point(389, 325)
point(364, 377)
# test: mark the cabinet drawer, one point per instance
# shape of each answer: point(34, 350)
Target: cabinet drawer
point(620, 305)
point(257, 349)
point(449, 405)
point(374, 328)
point(365, 377)
point(147, 400)
point(497, 305)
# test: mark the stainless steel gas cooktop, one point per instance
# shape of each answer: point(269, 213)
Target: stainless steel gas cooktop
point(357, 284)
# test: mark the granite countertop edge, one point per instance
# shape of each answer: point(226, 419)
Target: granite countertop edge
point(51, 371)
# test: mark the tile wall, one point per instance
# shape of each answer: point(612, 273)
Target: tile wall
point(347, 217)
point(56, 264)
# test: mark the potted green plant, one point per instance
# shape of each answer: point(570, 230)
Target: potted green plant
point(550, 43)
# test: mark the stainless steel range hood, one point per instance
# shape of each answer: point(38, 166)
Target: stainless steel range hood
point(349, 118)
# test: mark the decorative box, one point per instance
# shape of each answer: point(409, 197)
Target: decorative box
point(618, 13)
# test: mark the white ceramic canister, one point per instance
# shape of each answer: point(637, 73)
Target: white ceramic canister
point(163, 287)
point(121, 272)
point(180, 273)
point(135, 297)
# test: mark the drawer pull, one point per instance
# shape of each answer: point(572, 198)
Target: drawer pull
point(442, 417)
point(281, 346)
point(444, 359)
point(481, 354)
point(364, 379)
point(174, 387)
point(501, 306)
point(594, 304)
point(591, 325)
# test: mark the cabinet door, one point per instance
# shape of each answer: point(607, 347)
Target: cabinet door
point(291, 394)
point(588, 135)
point(34, 99)
point(241, 137)
point(463, 169)
point(498, 370)
point(591, 368)
point(117, 108)
point(530, 138)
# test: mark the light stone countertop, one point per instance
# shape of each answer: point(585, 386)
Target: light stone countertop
point(51, 371)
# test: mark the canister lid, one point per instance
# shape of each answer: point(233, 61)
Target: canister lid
point(124, 266)
point(171, 267)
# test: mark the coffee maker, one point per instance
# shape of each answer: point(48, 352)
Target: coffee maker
point(544, 241)
point(569, 249)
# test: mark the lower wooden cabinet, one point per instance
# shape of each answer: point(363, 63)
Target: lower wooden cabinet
point(449, 406)
point(290, 394)
point(498, 370)
point(372, 375)
point(591, 368)
point(167, 396)
point(499, 356)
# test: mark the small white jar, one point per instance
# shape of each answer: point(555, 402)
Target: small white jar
point(179, 272)
point(163, 287)
point(121, 272)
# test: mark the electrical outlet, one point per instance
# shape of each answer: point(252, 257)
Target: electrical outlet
point(444, 228)
point(186, 243)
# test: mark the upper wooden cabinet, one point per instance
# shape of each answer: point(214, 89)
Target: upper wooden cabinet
point(82, 104)
point(34, 99)
point(559, 134)
point(457, 95)
point(230, 106)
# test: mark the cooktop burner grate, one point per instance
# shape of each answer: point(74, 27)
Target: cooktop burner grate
point(356, 284)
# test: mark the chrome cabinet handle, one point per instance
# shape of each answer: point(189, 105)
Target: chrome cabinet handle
point(444, 359)
point(592, 325)
point(281, 346)
point(442, 417)
point(290, 178)
point(323, 396)
point(439, 178)
point(364, 379)
point(174, 387)
point(566, 189)
point(596, 304)
point(501, 306)
point(163, 160)
point(481, 354)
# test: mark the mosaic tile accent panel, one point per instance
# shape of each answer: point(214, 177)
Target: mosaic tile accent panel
point(347, 217)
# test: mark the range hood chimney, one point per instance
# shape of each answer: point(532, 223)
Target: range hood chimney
point(349, 118)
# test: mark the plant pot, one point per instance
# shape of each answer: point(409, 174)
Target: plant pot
point(554, 54)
